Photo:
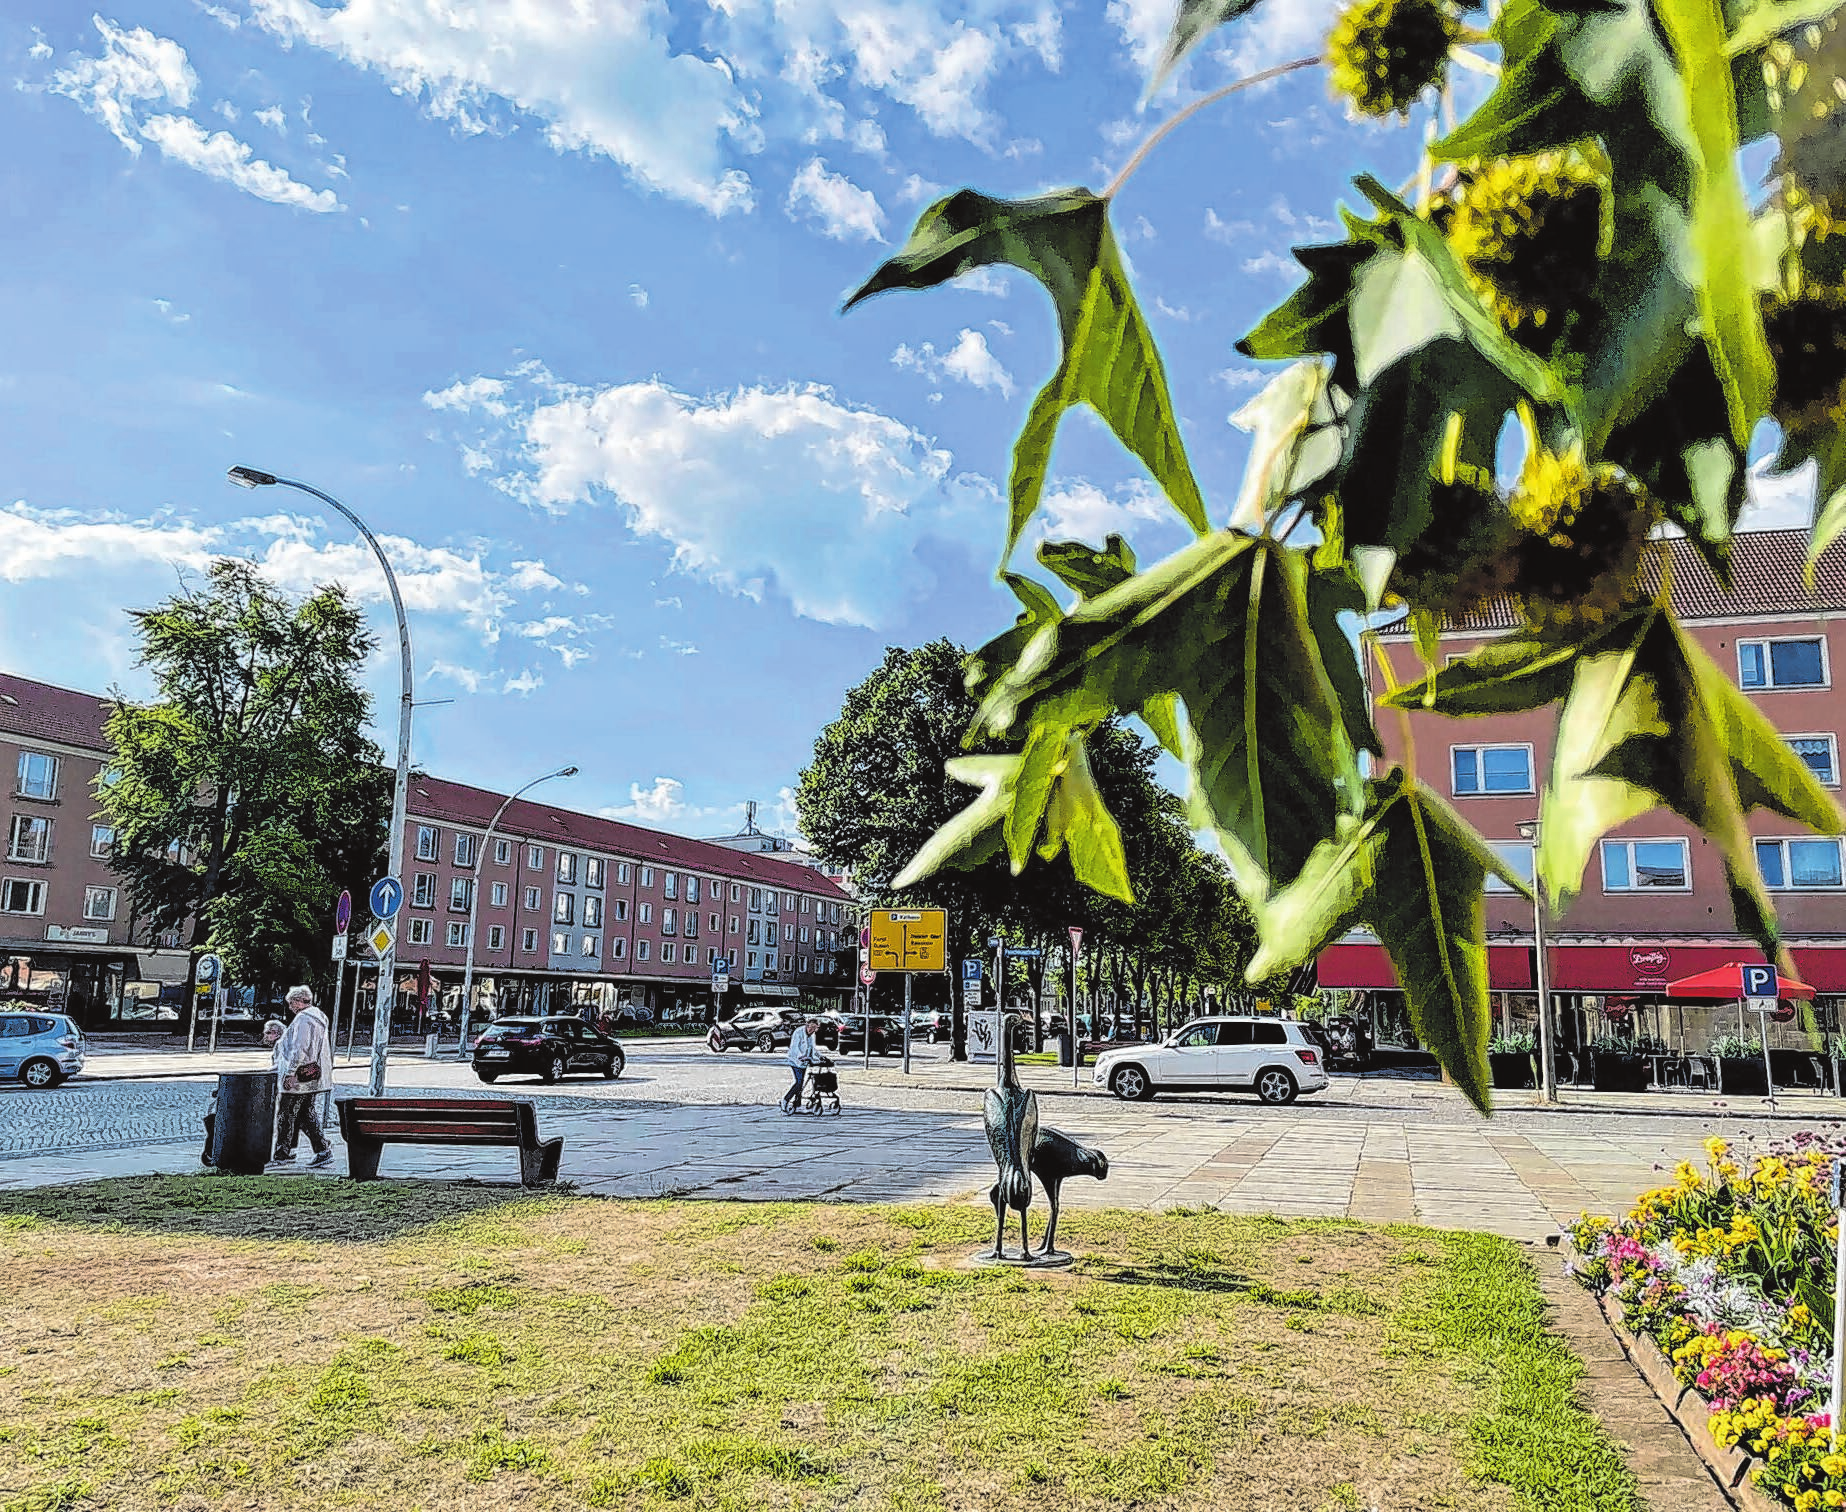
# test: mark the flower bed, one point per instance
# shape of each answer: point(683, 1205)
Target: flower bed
point(1730, 1272)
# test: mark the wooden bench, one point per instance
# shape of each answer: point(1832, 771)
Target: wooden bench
point(368, 1124)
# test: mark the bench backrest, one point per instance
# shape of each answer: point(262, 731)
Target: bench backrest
point(441, 1120)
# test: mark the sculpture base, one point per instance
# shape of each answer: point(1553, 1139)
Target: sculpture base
point(1056, 1260)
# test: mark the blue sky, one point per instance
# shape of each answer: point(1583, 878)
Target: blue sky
point(549, 295)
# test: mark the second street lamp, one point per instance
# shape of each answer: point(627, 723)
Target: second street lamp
point(474, 898)
point(1547, 1061)
point(250, 477)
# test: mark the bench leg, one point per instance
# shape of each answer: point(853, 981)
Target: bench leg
point(540, 1165)
point(362, 1158)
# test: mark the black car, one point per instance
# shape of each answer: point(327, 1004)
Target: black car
point(932, 1024)
point(887, 1034)
point(551, 1048)
point(754, 1029)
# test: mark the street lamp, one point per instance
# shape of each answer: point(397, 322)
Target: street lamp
point(250, 477)
point(474, 898)
point(1547, 1066)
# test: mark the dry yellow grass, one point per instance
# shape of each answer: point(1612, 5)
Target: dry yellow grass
point(204, 1343)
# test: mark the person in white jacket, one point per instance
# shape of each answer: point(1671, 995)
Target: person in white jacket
point(304, 1044)
point(803, 1051)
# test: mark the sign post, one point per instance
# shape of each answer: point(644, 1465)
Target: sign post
point(342, 921)
point(906, 940)
point(1759, 995)
point(387, 896)
point(1076, 1040)
point(206, 979)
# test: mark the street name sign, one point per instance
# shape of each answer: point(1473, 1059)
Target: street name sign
point(908, 939)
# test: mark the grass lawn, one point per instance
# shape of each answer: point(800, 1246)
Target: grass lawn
point(267, 1343)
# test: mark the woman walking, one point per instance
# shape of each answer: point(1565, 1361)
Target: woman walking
point(303, 1056)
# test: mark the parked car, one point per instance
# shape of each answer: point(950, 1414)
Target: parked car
point(932, 1024)
point(551, 1048)
point(1275, 1058)
point(887, 1034)
point(763, 1029)
point(39, 1049)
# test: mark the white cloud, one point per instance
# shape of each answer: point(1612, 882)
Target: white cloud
point(482, 394)
point(1228, 232)
point(1143, 25)
point(525, 682)
point(915, 189)
point(1276, 34)
point(40, 48)
point(1243, 377)
point(273, 118)
point(136, 69)
point(1083, 512)
point(637, 296)
point(662, 804)
point(1778, 501)
point(165, 306)
point(1271, 264)
point(843, 210)
point(867, 137)
point(602, 78)
point(1180, 313)
point(969, 361)
point(760, 491)
point(983, 281)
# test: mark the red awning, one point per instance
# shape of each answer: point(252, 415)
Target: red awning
point(1721, 984)
point(1509, 967)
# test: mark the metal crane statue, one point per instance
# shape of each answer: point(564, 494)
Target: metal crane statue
point(1010, 1113)
point(1055, 1158)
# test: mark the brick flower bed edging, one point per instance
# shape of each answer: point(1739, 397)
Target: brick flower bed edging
point(1731, 1466)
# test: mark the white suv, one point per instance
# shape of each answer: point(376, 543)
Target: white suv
point(1272, 1057)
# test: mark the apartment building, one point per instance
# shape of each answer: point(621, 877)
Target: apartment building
point(1654, 905)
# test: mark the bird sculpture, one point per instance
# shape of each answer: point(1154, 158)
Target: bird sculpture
point(1055, 1158)
point(1010, 1113)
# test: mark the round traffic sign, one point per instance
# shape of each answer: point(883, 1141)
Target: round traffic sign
point(387, 895)
point(343, 913)
point(867, 976)
point(208, 968)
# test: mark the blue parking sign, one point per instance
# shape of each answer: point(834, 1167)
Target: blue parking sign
point(1758, 981)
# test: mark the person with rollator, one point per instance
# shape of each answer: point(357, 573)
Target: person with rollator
point(802, 1053)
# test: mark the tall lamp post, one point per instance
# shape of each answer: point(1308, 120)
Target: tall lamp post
point(250, 477)
point(474, 898)
point(1547, 1064)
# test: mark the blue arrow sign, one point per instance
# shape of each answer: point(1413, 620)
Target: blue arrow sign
point(1758, 981)
point(387, 897)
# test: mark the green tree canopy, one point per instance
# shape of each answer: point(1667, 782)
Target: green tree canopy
point(246, 794)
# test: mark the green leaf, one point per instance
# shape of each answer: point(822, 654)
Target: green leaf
point(1040, 766)
point(1078, 820)
point(1505, 676)
point(1039, 609)
point(1728, 306)
point(1333, 593)
point(1295, 442)
point(1084, 569)
point(1224, 624)
point(975, 834)
point(1195, 18)
point(1109, 361)
point(1413, 872)
point(1767, 20)
point(1312, 319)
point(1533, 92)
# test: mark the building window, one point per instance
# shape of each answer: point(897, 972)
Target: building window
point(713, 922)
point(564, 909)
point(734, 922)
point(102, 841)
point(593, 871)
point(1491, 769)
point(788, 903)
point(560, 942)
point(496, 937)
point(647, 876)
point(589, 947)
point(769, 934)
point(535, 858)
point(669, 921)
point(1517, 854)
point(646, 913)
point(18, 896)
point(426, 843)
point(503, 852)
point(99, 902)
point(804, 934)
point(592, 913)
point(617, 949)
point(1798, 663)
point(667, 951)
point(1821, 753)
point(528, 941)
point(641, 950)
point(756, 899)
point(692, 889)
point(419, 931)
point(532, 897)
point(754, 937)
point(498, 895)
point(38, 775)
point(621, 873)
point(1799, 865)
point(1638, 865)
point(669, 885)
point(753, 960)
point(692, 923)
point(464, 849)
point(423, 890)
point(621, 908)
point(769, 904)
point(805, 905)
point(833, 913)
point(458, 934)
point(567, 868)
point(461, 894)
point(736, 892)
point(30, 839)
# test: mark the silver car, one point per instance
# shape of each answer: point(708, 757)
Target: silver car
point(39, 1049)
point(1274, 1058)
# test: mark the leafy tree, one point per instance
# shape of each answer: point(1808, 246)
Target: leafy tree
point(1577, 264)
point(246, 795)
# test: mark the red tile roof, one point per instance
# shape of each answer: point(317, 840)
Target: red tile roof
point(457, 803)
point(37, 710)
point(1768, 576)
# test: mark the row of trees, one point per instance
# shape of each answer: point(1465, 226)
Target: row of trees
point(876, 792)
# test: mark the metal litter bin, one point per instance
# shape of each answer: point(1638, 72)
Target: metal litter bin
point(1066, 1049)
point(244, 1126)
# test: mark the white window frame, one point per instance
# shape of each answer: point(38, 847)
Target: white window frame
point(645, 913)
point(594, 870)
point(528, 942)
point(498, 895)
point(669, 885)
point(535, 858)
point(423, 890)
point(105, 850)
point(642, 950)
point(1766, 641)
point(461, 894)
point(591, 948)
point(669, 951)
point(503, 851)
point(618, 948)
point(1833, 750)
point(619, 910)
point(20, 790)
point(464, 848)
point(692, 888)
point(647, 876)
point(428, 842)
point(564, 908)
point(736, 891)
point(1481, 768)
point(560, 942)
point(1782, 842)
point(35, 896)
point(621, 874)
point(592, 913)
point(22, 822)
point(457, 935)
point(419, 932)
point(669, 921)
point(496, 937)
point(567, 868)
point(1629, 843)
point(90, 894)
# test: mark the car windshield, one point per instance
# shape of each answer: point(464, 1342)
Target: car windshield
point(509, 1029)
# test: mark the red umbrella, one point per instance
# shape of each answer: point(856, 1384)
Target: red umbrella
point(1724, 984)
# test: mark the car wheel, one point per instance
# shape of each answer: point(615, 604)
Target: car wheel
point(490, 1077)
point(1130, 1083)
point(40, 1074)
point(766, 1043)
point(554, 1069)
point(715, 1042)
point(618, 1063)
point(1275, 1086)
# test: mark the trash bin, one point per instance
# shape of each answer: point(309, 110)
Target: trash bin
point(1065, 1048)
point(244, 1129)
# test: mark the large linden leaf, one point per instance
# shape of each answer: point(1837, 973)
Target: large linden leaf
point(1110, 361)
point(1084, 569)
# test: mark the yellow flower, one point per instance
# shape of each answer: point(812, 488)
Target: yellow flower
point(1717, 1148)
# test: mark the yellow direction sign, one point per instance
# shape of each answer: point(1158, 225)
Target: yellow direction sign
point(380, 938)
point(908, 939)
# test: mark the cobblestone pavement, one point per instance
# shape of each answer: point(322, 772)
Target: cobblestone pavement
point(684, 1121)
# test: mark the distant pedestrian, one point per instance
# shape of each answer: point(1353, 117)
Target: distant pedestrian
point(802, 1053)
point(303, 1061)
